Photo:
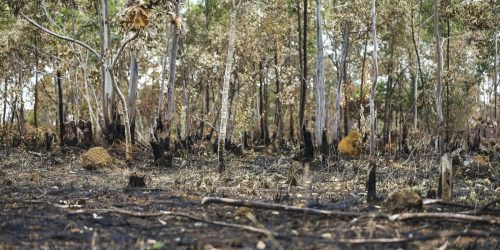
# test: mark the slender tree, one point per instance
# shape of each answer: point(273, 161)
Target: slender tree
point(439, 58)
point(371, 184)
point(171, 80)
point(132, 92)
point(225, 90)
point(303, 89)
point(320, 78)
point(340, 75)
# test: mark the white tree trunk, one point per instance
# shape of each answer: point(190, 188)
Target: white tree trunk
point(107, 87)
point(320, 76)
point(225, 91)
point(439, 57)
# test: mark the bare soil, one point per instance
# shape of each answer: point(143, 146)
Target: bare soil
point(48, 201)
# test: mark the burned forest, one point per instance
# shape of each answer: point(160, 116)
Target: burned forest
point(249, 124)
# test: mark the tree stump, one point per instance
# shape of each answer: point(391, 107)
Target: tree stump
point(446, 182)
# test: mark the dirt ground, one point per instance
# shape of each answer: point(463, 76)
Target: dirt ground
point(48, 201)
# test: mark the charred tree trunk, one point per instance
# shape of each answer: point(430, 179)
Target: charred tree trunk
point(371, 186)
point(303, 89)
point(60, 107)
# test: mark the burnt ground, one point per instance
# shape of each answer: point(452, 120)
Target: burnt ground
point(48, 201)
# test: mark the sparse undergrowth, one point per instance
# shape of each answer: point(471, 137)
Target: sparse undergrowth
point(44, 185)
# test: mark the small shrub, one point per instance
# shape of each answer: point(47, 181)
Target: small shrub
point(351, 144)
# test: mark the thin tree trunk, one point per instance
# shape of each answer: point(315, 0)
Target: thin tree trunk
point(5, 87)
point(388, 94)
point(60, 106)
point(35, 105)
point(371, 184)
point(303, 89)
point(496, 74)
point(171, 79)
point(419, 73)
point(225, 91)
point(132, 92)
point(320, 76)
point(107, 85)
point(439, 58)
point(93, 117)
point(262, 113)
point(362, 81)
point(336, 116)
point(279, 108)
point(447, 81)
point(162, 77)
point(21, 117)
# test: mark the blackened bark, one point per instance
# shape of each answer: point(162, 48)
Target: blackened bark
point(303, 89)
point(372, 178)
point(308, 145)
point(60, 106)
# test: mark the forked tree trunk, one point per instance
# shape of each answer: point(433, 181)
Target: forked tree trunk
point(371, 183)
point(225, 91)
point(320, 77)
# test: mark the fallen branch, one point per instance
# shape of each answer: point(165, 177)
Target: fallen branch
point(472, 233)
point(444, 216)
point(184, 215)
point(277, 207)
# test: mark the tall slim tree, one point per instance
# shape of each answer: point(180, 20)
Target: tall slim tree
point(171, 80)
point(303, 88)
point(225, 90)
point(132, 92)
point(340, 76)
point(320, 77)
point(371, 183)
point(439, 58)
